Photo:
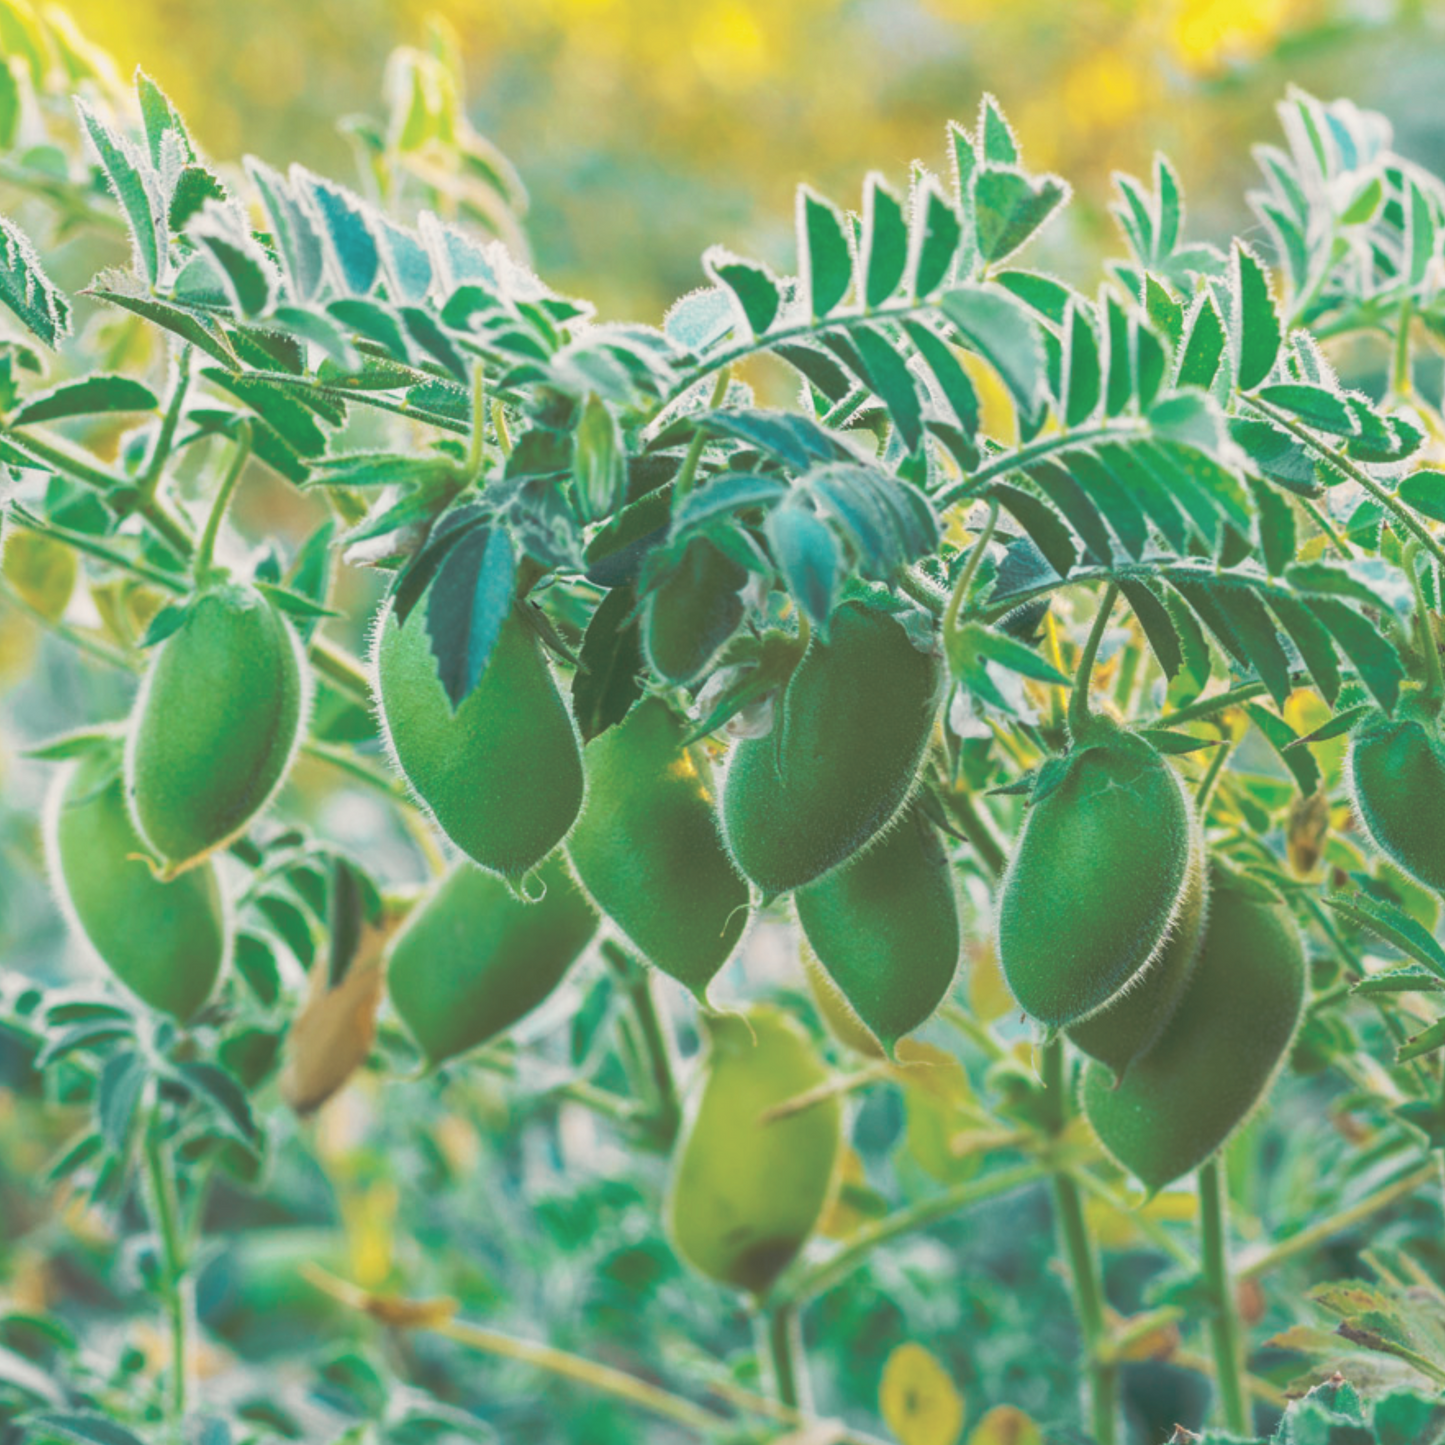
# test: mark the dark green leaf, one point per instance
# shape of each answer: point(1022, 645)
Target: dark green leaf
point(88, 397)
point(468, 603)
point(752, 285)
point(885, 242)
point(610, 666)
point(825, 257)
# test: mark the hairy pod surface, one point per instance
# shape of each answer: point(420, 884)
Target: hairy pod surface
point(1130, 1024)
point(502, 775)
point(1396, 774)
point(1097, 879)
point(885, 927)
point(746, 1191)
point(847, 740)
point(216, 724)
point(1215, 1060)
point(474, 958)
point(694, 611)
point(166, 942)
point(647, 846)
point(836, 1012)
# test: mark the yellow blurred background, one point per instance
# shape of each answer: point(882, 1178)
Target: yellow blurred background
point(646, 129)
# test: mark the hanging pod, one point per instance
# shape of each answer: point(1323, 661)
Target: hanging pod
point(1396, 776)
point(747, 1190)
point(1099, 877)
point(166, 942)
point(1216, 1058)
point(215, 725)
point(885, 928)
point(647, 847)
point(474, 958)
point(849, 734)
point(502, 774)
point(1127, 1027)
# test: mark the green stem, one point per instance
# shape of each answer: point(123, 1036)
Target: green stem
point(1322, 521)
point(687, 473)
point(1079, 713)
point(813, 1280)
point(1348, 468)
point(173, 532)
point(160, 452)
point(1208, 706)
point(782, 1344)
point(1083, 1267)
point(1401, 384)
point(1211, 777)
point(165, 1209)
point(341, 668)
point(204, 559)
point(91, 646)
point(63, 457)
point(652, 1034)
point(974, 826)
point(94, 547)
point(1434, 685)
point(1223, 1318)
point(961, 588)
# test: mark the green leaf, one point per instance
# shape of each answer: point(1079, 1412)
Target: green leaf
point(1154, 619)
point(1400, 980)
point(221, 1090)
point(93, 395)
point(1009, 207)
point(972, 645)
point(1060, 487)
point(1275, 519)
point(1426, 1041)
point(134, 184)
point(27, 290)
point(245, 272)
point(808, 557)
point(83, 1428)
point(937, 235)
point(888, 376)
point(350, 243)
point(1050, 298)
point(1425, 492)
point(885, 242)
point(1392, 925)
point(1173, 744)
point(599, 461)
point(1315, 406)
point(159, 116)
point(953, 381)
point(825, 255)
point(1001, 330)
point(1042, 524)
point(1205, 344)
point(1281, 737)
point(1084, 375)
point(1119, 385)
point(1255, 321)
point(996, 142)
point(466, 607)
point(754, 288)
point(297, 242)
point(610, 666)
point(200, 332)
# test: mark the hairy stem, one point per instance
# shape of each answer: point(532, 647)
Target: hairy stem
point(204, 558)
point(1083, 1265)
point(653, 1039)
point(781, 1344)
point(961, 588)
point(1434, 686)
point(1079, 713)
point(1223, 1319)
point(165, 1210)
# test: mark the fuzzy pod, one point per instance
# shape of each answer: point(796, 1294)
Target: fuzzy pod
point(1396, 777)
point(474, 958)
point(167, 942)
point(216, 724)
point(1098, 878)
point(835, 1011)
point(693, 611)
point(502, 774)
point(1129, 1025)
point(1178, 1105)
point(848, 737)
point(648, 849)
point(747, 1190)
point(885, 927)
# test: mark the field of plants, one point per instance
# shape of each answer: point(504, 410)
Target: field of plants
point(861, 864)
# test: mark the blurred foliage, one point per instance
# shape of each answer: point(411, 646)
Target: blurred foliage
point(648, 129)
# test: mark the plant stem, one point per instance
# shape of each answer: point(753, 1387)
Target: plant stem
point(165, 1209)
point(687, 473)
point(1079, 713)
point(1348, 468)
point(1208, 706)
point(91, 646)
point(960, 591)
point(1006, 462)
point(1083, 1266)
point(206, 549)
point(975, 826)
point(656, 1044)
point(782, 1344)
point(1434, 686)
point(1223, 1318)
point(161, 450)
point(811, 1281)
point(340, 667)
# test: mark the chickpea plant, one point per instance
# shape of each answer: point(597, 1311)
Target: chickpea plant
point(993, 588)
